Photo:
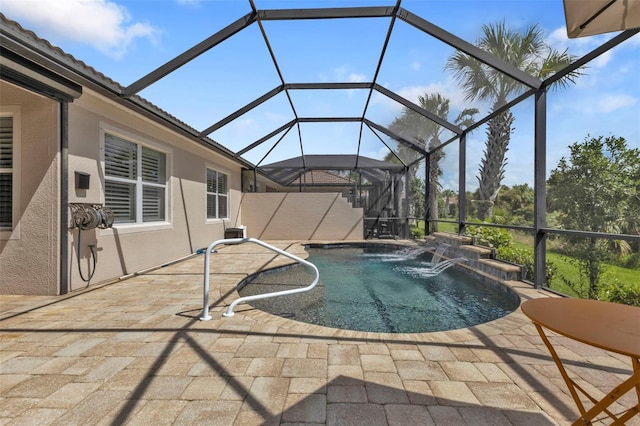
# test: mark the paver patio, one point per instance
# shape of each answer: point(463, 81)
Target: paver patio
point(135, 352)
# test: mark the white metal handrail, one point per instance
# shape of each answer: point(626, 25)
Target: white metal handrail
point(229, 312)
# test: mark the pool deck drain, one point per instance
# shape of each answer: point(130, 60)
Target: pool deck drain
point(134, 352)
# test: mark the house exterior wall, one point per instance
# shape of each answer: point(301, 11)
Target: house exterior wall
point(126, 249)
point(300, 216)
point(29, 257)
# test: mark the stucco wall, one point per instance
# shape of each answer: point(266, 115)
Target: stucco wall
point(29, 259)
point(300, 216)
point(127, 249)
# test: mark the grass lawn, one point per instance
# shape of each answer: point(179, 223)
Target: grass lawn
point(566, 267)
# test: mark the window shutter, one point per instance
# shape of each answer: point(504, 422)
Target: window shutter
point(6, 183)
point(132, 170)
point(222, 206)
point(222, 196)
point(6, 174)
point(211, 193)
point(6, 142)
point(120, 197)
point(153, 166)
point(120, 157)
point(222, 183)
point(211, 181)
point(211, 206)
point(152, 204)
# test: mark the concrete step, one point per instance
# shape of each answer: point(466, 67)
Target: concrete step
point(476, 252)
point(502, 270)
point(452, 239)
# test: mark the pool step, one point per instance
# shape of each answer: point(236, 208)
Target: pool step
point(477, 252)
point(504, 271)
point(454, 240)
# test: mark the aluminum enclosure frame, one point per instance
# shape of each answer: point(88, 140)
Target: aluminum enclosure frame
point(41, 54)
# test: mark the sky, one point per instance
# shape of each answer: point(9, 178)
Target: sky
point(127, 39)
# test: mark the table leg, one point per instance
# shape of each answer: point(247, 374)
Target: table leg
point(636, 409)
point(636, 371)
point(586, 416)
point(563, 372)
point(609, 399)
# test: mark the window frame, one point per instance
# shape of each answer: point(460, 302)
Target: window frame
point(216, 194)
point(140, 142)
point(13, 232)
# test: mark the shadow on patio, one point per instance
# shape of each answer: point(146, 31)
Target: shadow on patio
point(134, 352)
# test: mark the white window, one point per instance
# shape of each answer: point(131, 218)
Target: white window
point(9, 173)
point(217, 195)
point(135, 181)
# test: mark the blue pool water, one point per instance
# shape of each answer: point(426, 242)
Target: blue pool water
point(378, 290)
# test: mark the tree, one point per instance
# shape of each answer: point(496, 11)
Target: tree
point(428, 133)
point(515, 204)
point(528, 52)
point(594, 190)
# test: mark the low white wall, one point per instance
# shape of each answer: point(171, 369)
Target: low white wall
point(300, 216)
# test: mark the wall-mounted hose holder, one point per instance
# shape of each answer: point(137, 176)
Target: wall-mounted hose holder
point(86, 216)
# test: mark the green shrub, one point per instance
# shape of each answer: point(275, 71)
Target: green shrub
point(490, 237)
point(618, 292)
point(525, 258)
point(632, 261)
point(417, 232)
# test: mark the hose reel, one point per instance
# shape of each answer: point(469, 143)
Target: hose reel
point(89, 216)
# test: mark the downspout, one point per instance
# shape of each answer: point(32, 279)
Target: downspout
point(255, 180)
point(64, 197)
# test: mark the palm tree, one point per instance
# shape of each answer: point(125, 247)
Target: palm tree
point(528, 52)
point(428, 133)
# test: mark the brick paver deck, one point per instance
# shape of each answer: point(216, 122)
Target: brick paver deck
point(135, 352)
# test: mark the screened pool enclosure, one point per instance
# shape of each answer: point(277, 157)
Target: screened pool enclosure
point(411, 155)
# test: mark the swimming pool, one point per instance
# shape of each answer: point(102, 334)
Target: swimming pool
point(380, 289)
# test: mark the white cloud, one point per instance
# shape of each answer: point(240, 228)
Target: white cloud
point(102, 24)
point(448, 89)
point(602, 60)
point(278, 117)
point(558, 40)
point(635, 40)
point(356, 78)
point(245, 123)
point(344, 74)
point(613, 102)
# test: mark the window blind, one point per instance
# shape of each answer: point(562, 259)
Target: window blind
point(217, 194)
point(6, 172)
point(120, 197)
point(120, 158)
point(152, 204)
point(135, 178)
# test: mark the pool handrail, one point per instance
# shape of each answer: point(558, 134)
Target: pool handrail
point(229, 312)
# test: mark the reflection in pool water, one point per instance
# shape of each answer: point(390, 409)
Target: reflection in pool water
point(373, 289)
